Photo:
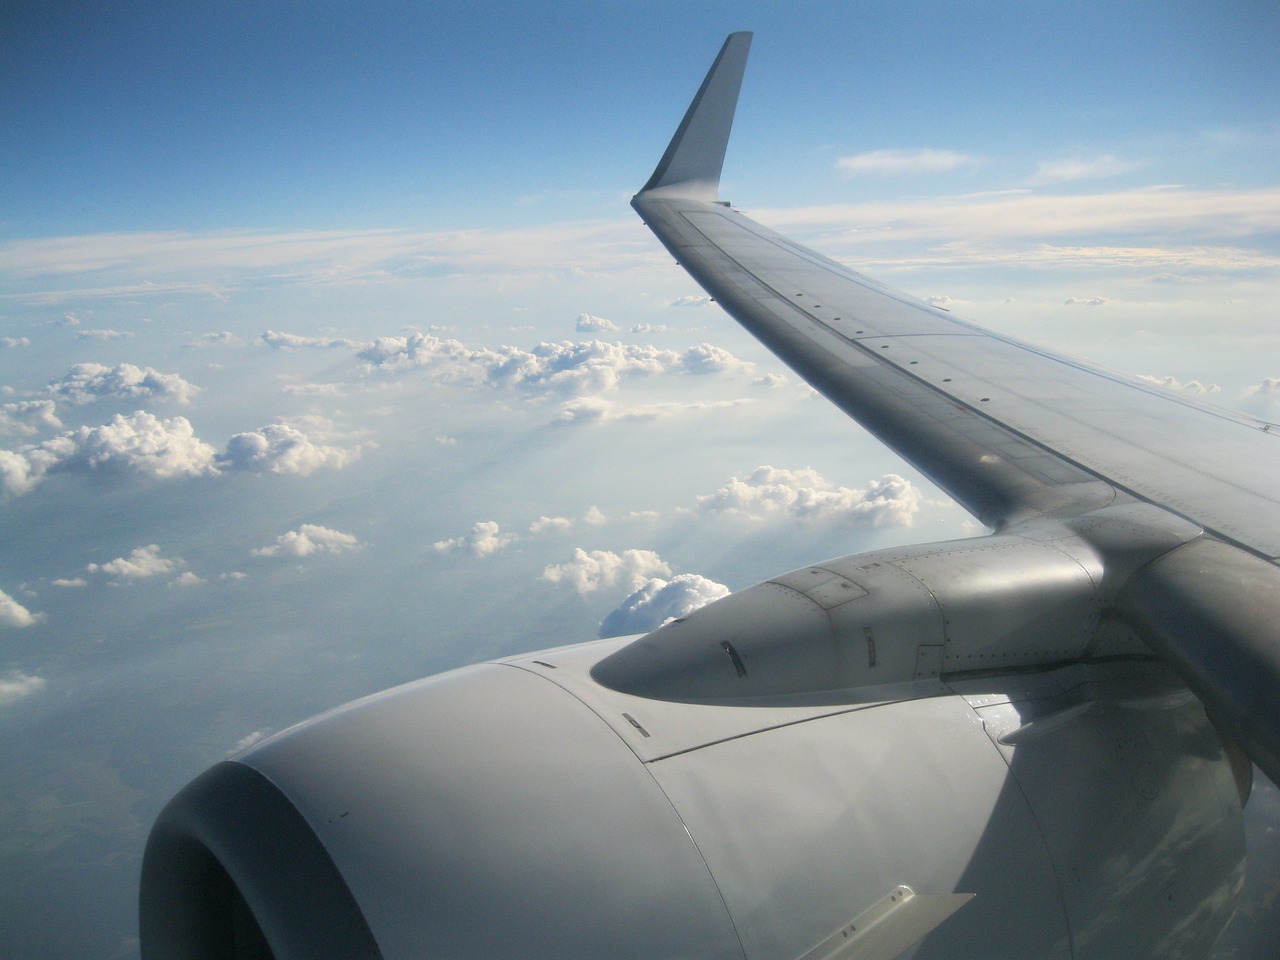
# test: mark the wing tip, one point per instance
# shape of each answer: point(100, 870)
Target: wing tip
point(691, 165)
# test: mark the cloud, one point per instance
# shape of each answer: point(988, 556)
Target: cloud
point(594, 517)
point(280, 340)
point(650, 327)
point(15, 341)
point(1085, 302)
point(1096, 168)
point(769, 381)
point(550, 525)
point(804, 495)
point(598, 410)
point(70, 582)
point(1269, 387)
point(307, 539)
point(103, 335)
point(143, 562)
point(658, 601)
point(282, 448)
point(138, 443)
point(87, 382)
point(688, 300)
point(1172, 383)
point(187, 579)
point(222, 338)
point(15, 686)
point(589, 324)
point(588, 572)
point(897, 162)
point(247, 741)
point(14, 614)
point(485, 538)
point(26, 417)
point(167, 449)
point(591, 366)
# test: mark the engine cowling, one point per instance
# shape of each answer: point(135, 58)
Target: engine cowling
point(566, 804)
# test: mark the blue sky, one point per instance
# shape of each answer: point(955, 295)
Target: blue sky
point(332, 356)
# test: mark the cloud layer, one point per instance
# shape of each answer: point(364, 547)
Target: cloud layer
point(591, 366)
point(804, 495)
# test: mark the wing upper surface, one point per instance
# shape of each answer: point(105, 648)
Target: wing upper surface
point(1009, 430)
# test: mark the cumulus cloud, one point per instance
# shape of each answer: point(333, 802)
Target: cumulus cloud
point(15, 685)
point(591, 366)
point(166, 449)
point(247, 741)
point(143, 562)
point(281, 340)
point(591, 324)
point(650, 327)
point(1269, 387)
point(187, 579)
point(282, 448)
point(805, 495)
point(1095, 168)
point(770, 381)
point(307, 539)
point(25, 417)
point(1085, 301)
point(897, 162)
point(138, 443)
point(550, 525)
point(588, 572)
point(15, 342)
point(691, 300)
point(658, 601)
point(70, 582)
point(14, 614)
point(594, 517)
point(103, 334)
point(1194, 387)
point(485, 538)
point(87, 382)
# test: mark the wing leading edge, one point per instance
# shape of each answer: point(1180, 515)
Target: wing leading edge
point(1011, 431)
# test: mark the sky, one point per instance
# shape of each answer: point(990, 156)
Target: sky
point(331, 355)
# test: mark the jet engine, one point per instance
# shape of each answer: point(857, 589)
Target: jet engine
point(954, 751)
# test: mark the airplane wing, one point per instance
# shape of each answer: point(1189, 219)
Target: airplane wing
point(1011, 431)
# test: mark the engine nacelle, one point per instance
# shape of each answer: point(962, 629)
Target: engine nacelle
point(522, 810)
point(903, 754)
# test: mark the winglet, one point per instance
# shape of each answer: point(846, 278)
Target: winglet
point(691, 166)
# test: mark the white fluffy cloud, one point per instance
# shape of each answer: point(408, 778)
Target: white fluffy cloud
point(143, 562)
point(591, 366)
point(103, 334)
point(308, 539)
point(589, 571)
point(282, 448)
point(26, 417)
point(14, 614)
point(138, 443)
point(166, 449)
point(590, 324)
point(15, 342)
point(805, 495)
point(550, 524)
point(279, 340)
point(485, 538)
point(1269, 387)
point(658, 601)
point(87, 382)
point(14, 686)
